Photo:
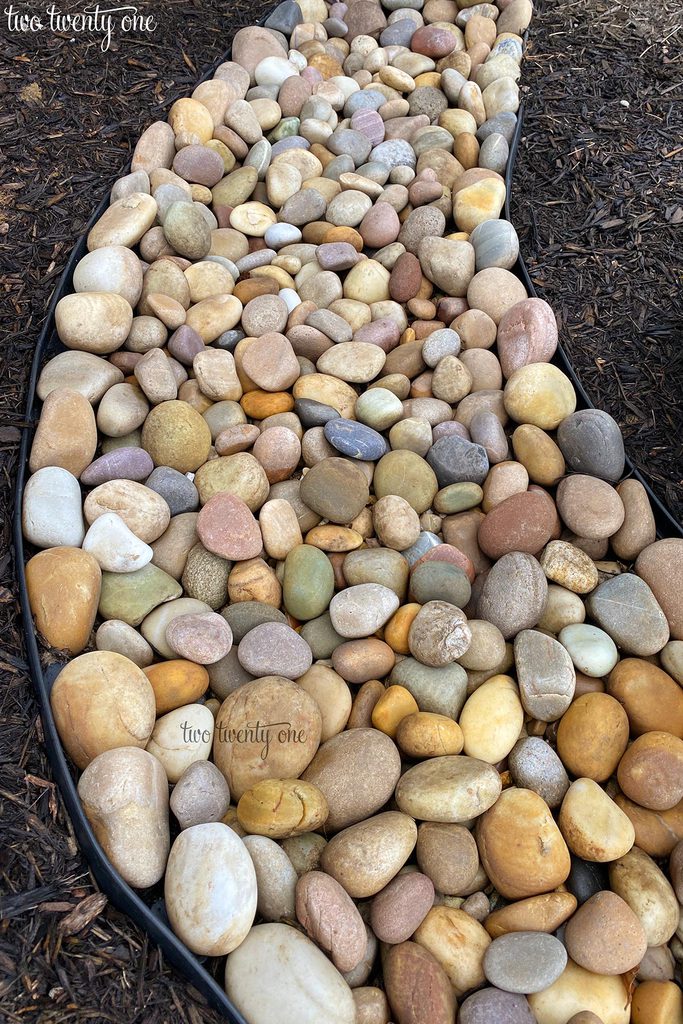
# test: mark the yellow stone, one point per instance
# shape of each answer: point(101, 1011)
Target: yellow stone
point(64, 592)
point(393, 706)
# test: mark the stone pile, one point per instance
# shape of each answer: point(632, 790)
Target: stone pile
point(341, 567)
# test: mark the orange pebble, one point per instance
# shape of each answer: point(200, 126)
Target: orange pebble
point(657, 1002)
point(397, 628)
point(425, 734)
point(176, 683)
point(392, 707)
point(342, 234)
point(259, 404)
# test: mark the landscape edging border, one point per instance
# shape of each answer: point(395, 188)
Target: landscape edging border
point(120, 894)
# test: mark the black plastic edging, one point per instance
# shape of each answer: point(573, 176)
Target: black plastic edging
point(666, 522)
point(120, 894)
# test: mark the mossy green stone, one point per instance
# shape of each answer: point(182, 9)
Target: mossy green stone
point(133, 595)
point(308, 583)
point(287, 127)
point(440, 581)
point(442, 691)
point(458, 498)
point(408, 475)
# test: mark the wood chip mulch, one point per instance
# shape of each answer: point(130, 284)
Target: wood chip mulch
point(598, 204)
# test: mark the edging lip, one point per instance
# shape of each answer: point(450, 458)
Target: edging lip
point(120, 894)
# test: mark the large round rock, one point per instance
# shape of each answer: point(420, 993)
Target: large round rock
point(336, 489)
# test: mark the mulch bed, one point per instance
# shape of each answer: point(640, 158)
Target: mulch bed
point(598, 205)
point(596, 208)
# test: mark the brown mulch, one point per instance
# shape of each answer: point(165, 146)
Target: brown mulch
point(598, 204)
point(68, 117)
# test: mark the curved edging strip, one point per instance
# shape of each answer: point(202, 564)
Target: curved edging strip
point(120, 894)
point(666, 523)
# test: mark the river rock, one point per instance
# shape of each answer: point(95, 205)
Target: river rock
point(357, 772)
point(51, 510)
point(118, 690)
point(66, 434)
point(661, 566)
point(64, 585)
point(605, 936)
point(514, 594)
point(210, 889)
point(537, 860)
point(277, 973)
point(524, 962)
point(545, 674)
point(591, 443)
point(448, 789)
point(274, 648)
point(246, 752)
point(115, 546)
point(625, 607)
point(124, 793)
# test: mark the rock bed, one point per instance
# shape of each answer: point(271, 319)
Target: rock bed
point(294, 598)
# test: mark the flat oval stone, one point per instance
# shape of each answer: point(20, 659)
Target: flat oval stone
point(591, 443)
point(545, 674)
point(453, 788)
point(121, 464)
point(277, 973)
point(524, 962)
point(336, 489)
point(227, 527)
point(179, 493)
point(308, 583)
point(274, 648)
point(51, 510)
point(361, 610)
point(514, 594)
point(203, 638)
point(355, 440)
point(591, 649)
point(527, 333)
point(356, 771)
point(590, 507)
point(535, 765)
point(625, 607)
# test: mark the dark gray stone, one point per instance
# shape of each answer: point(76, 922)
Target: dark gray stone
point(455, 461)
point(535, 765)
point(285, 17)
point(586, 878)
point(503, 123)
point(314, 414)
point(229, 340)
point(179, 493)
point(356, 440)
point(591, 442)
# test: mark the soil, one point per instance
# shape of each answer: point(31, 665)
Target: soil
point(598, 205)
point(599, 216)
